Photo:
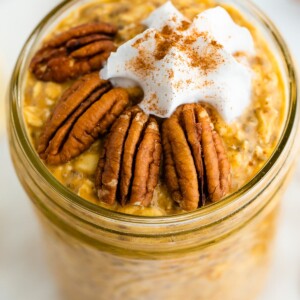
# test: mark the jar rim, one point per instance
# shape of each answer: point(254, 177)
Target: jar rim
point(15, 102)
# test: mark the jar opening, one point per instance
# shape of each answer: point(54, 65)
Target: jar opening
point(24, 142)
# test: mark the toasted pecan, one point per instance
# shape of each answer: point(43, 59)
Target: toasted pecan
point(86, 110)
point(74, 52)
point(195, 162)
point(128, 168)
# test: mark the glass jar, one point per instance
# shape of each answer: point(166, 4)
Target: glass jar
point(219, 252)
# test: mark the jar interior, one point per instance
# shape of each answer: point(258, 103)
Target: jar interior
point(251, 13)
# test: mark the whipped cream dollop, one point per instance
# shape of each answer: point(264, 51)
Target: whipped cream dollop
point(176, 61)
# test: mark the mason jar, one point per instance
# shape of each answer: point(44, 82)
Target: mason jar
point(221, 251)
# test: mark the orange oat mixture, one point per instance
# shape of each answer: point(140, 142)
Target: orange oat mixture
point(249, 141)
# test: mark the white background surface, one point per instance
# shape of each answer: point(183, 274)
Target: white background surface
point(23, 271)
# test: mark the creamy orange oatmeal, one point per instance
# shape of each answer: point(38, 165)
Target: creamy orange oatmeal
point(249, 140)
point(99, 141)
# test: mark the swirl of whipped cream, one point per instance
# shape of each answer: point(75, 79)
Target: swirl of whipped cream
point(176, 61)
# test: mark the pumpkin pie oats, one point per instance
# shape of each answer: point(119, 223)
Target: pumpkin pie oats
point(198, 183)
point(68, 121)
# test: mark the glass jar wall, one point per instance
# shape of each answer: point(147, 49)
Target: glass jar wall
point(219, 252)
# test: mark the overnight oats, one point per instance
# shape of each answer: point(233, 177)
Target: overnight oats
point(155, 140)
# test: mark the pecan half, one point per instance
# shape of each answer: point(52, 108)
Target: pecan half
point(86, 110)
point(195, 162)
point(128, 168)
point(75, 52)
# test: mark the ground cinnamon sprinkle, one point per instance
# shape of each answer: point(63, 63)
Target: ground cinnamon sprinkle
point(169, 38)
point(153, 104)
point(184, 25)
point(164, 41)
point(171, 74)
point(182, 45)
point(210, 58)
point(142, 64)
